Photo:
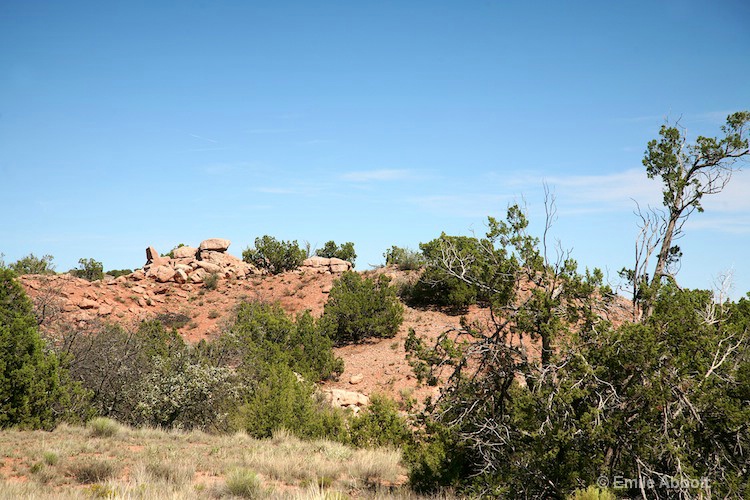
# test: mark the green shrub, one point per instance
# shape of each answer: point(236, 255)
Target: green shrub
point(103, 427)
point(265, 334)
point(185, 391)
point(211, 282)
point(89, 269)
point(405, 259)
point(359, 308)
point(243, 483)
point(437, 460)
point(278, 399)
point(113, 362)
point(276, 359)
point(343, 252)
point(34, 389)
point(173, 319)
point(31, 264)
point(50, 458)
point(438, 287)
point(379, 424)
point(116, 273)
point(273, 255)
point(592, 493)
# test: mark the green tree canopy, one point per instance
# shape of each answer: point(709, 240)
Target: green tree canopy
point(32, 384)
point(345, 251)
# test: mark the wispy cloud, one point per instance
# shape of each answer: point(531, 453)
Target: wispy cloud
point(204, 138)
point(379, 175)
point(471, 205)
point(728, 211)
point(609, 192)
point(733, 223)
point(194, 150)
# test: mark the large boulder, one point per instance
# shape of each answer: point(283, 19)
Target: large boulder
point(215, 244)
point(325, 265)
point(151, 254)
point(184, 252)
point(220, 259)
point(316, 261)
point(153, 258)
point(339, 265)
point(180, 276)
point(162, 273)
point(209, 267)
point(342, 398)
point(198, 275)
point(137, 275)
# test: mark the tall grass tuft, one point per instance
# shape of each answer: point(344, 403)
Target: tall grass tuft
point(93, 471)
point(103, 427)
point(243, 483)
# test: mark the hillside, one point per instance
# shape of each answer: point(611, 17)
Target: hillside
point(200, 313)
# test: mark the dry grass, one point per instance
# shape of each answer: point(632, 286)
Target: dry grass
point(147, 463)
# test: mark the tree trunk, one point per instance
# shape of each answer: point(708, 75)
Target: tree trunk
point(666, 244)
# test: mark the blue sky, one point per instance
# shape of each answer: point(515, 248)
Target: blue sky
point(124, 125)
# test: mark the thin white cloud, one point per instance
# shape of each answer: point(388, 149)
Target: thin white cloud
point(608, 192)
point(733, 224)
point(204, 138)
point(472, 205)
point(735, 197)
point(378, 175)
point(728, 211)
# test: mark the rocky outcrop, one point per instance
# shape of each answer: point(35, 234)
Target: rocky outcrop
point(341, 398)
point(325, 265)
point(215, 244)
point(185, 253)
point(193, 265)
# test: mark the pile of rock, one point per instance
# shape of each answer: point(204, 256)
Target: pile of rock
point(325, 265)
point(194, 265)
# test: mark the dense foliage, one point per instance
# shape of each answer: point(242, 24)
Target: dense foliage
point(438, 284)
point(359, 308)
point(116, 273)
point(89, 269)
point(663, 403)
point(34, 390)
point(405, 259)
point(345, 251)
point(31, 264)
point(275, 256)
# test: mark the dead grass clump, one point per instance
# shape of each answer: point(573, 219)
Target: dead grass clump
point(176, 473)
point(93, 471)
point(375, 466)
